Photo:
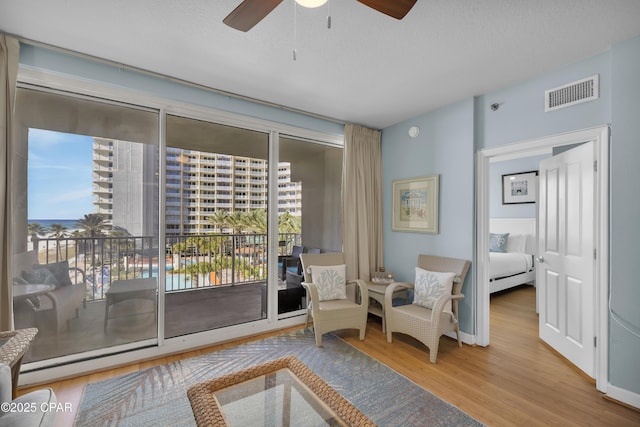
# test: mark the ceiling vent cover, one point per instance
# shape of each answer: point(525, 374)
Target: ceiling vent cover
point(573, 93)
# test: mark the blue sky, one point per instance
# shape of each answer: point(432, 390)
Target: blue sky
point(59, 177)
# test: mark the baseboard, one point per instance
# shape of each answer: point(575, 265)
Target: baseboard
point(623, 396)
point(464, 337)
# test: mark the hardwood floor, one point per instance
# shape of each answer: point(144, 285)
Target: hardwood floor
point(517, 380)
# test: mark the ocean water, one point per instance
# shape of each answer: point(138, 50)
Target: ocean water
point(46, 223)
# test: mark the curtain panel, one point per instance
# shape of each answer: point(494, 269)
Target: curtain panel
point(362, 201)
point(9, 56)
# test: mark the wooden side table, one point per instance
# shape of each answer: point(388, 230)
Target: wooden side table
point(13, 346)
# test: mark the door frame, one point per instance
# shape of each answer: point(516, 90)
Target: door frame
point(601, 138)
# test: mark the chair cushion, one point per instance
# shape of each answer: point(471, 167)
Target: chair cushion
point(60, 271)
point(431, 285)
point(40, 410)
point(330, 280)
point(40, 276)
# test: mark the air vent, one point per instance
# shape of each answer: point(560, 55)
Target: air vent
point(573, 93)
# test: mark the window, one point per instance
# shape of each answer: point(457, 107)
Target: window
point(210, 170)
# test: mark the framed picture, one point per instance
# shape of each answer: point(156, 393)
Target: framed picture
point(519, 187)
point(415, 204)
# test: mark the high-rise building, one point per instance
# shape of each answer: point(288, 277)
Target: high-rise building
point(197, 185)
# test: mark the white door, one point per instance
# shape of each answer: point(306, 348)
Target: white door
point(565, 267)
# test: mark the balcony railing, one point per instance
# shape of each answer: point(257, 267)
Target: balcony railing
point(190, 261)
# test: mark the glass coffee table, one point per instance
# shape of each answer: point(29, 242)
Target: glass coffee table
point(283, 392)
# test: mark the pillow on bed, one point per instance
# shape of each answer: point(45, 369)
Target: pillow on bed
point(431, 285)
point(498, 242)
point(516, 243)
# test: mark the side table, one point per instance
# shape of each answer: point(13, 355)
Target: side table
point(377, 288)
point(30, 290)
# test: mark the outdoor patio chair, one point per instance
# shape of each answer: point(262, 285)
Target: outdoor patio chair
point(289, 263)
point(428, 324)
point(334, 303)
point(68, 294)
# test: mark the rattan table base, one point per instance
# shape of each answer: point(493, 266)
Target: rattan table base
point(208, 412)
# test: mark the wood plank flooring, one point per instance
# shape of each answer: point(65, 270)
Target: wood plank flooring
point(515, 381)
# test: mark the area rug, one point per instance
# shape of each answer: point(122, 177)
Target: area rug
point(158, 396)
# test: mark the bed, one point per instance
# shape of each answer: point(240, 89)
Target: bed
point(512, 250)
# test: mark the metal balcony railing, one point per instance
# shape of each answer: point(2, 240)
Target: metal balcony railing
point(190, 261)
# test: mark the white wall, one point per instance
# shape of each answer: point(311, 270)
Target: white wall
point(497, 169)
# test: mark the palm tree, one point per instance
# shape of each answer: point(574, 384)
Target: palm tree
point(59, 232)
point(256, 221)
point(220, 219)
point(237, 221)
point(36, 229)
point(288, 223)
point(92, 225)
point(124, 245)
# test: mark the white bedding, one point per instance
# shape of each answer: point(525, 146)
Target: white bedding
point(508, 263)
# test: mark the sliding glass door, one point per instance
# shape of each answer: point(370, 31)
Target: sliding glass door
point(309, 201)
point(85, 224)
point(118, 235)
point(216, 201)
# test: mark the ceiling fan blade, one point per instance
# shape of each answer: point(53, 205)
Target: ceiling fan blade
point(249, 13)
point(394, 8)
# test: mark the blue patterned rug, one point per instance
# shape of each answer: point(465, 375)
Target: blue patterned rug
point(157, 396)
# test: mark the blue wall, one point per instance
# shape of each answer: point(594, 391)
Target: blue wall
point(521, 114)
point(445, 147)
point(624, 345)
point(521, 117)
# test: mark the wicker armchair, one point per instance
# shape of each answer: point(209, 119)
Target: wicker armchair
point(36, 408)
point(427, 325)
point(332, 315)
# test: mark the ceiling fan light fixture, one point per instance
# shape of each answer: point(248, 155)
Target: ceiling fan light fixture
point(248, 13)
point(311, 3)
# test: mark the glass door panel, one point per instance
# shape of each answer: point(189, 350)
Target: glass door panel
point(309, 212)
point(216, 226)
point(85, 221)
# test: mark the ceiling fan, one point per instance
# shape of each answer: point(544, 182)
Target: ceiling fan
point(250, 12)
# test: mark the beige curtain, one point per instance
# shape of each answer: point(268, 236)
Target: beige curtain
point(362, 201)
point(9, 52)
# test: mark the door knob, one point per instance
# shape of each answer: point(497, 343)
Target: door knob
point(540, 259)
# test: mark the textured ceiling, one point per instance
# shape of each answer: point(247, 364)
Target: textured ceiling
point(368, 68)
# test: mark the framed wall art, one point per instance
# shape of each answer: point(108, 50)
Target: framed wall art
point(415, 204)
point(519, 188)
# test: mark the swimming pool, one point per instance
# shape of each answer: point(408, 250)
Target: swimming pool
point(179, 281)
